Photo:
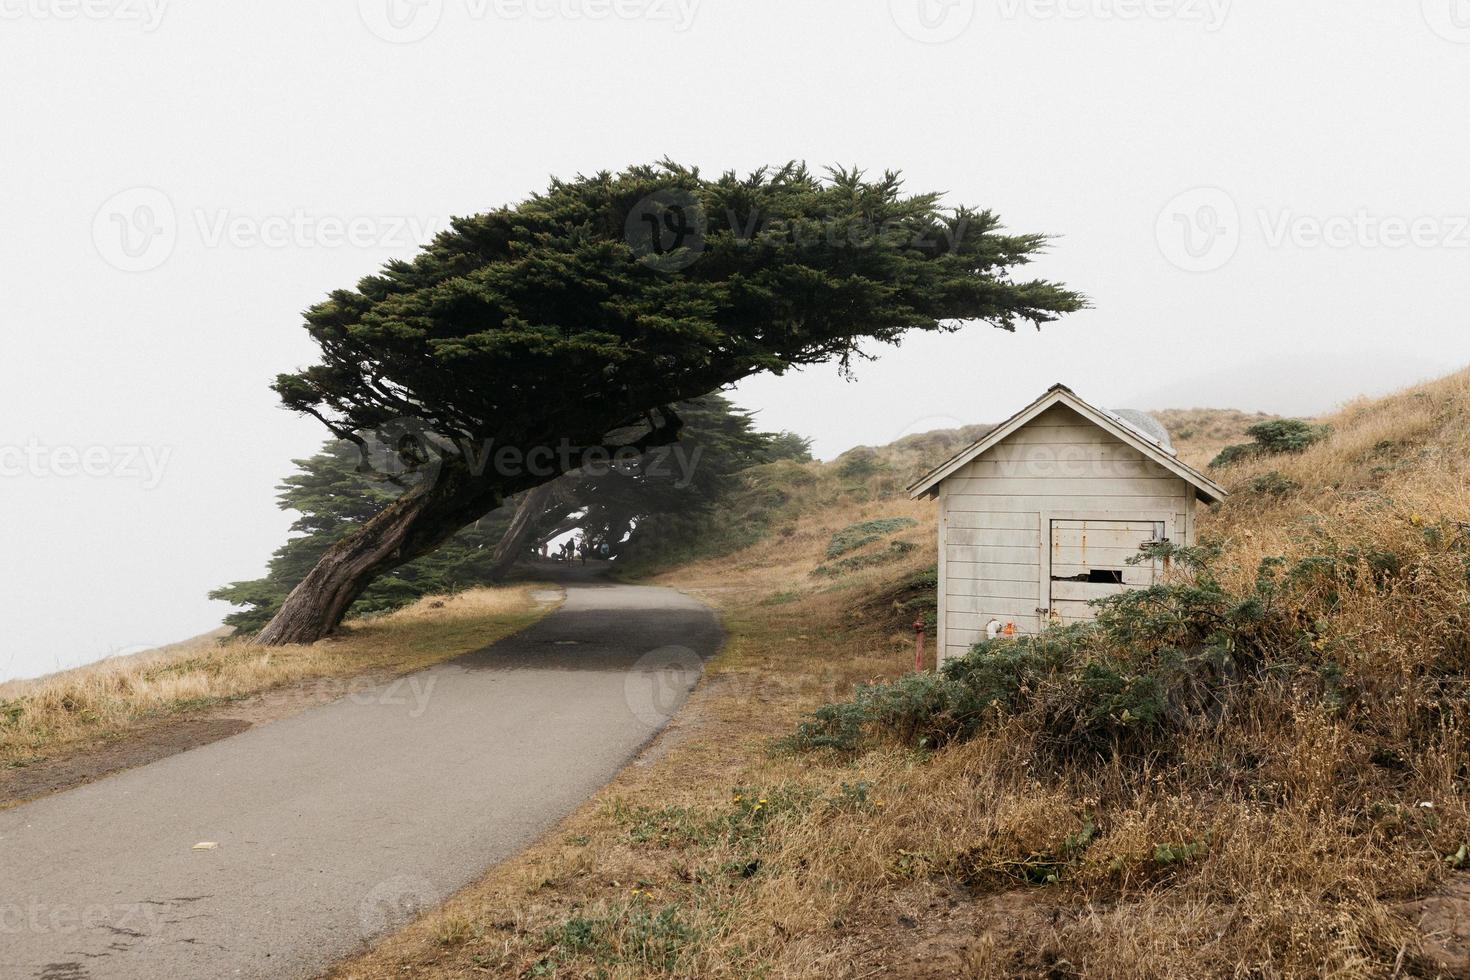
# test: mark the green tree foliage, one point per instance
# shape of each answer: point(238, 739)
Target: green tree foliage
point(593, 308)
point(789, 445)
point(1273, 438)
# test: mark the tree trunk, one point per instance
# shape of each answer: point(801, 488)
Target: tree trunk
point(413, 525)
point(511, 548)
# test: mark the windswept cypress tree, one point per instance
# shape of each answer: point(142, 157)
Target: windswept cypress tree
point(551, 329)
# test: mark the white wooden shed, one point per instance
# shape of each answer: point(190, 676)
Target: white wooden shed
point(1039, 517)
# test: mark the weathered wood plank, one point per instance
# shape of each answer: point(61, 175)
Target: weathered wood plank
point(1082, 591)
point(960, 519)
point(1000, 571)
point(1002, 609)
point(979, 601)
point(1043, 464)
point(1169, 487)
point(1096, 534)
point(1020, 503)
point(994, 537)
point(983, 555)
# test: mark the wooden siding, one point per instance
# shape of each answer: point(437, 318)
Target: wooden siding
point(996, 516)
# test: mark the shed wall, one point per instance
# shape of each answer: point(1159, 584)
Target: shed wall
point(992, 542)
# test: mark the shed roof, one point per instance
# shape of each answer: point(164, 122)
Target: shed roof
point(1059, 394)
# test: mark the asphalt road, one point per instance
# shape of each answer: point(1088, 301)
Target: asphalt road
point(340, 823)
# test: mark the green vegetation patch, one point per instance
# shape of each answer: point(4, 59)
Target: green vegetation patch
point(864, 533)
point(895, 551)
point(1155, 664)
point(620, 933)
point(1273, 438)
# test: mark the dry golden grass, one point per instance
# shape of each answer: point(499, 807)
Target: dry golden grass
point(63, 712)
point(1283, 843)
point(1200, 433)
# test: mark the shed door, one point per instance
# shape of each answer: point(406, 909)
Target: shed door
point(1089, 560)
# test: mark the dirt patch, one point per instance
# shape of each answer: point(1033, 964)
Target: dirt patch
point(942, 929)
point(1444, 919)
point(163, 737)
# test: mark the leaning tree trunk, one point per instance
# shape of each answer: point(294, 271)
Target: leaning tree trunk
point(512, 543)
point(413, 525)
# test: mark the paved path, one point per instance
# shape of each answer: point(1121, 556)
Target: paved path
point(338, 824)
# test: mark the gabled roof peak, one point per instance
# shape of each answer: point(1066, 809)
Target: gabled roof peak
point(1121, 429)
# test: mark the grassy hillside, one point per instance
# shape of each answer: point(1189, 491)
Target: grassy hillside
point(1200, 433)
point(51, 718)
point(1293, 806)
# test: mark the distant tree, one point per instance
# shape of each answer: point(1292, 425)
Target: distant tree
point(789, 445)
point(550, 329)
point(1271, 438)
point(338, 490)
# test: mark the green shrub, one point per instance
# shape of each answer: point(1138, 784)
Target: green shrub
point(1286, 435)
point(625, 933)
point(856, 536)
point(859, 464)
point(895, 551)
point(1155, 661)
point(1271, 439)
point(1231, 455)
point(919, 709)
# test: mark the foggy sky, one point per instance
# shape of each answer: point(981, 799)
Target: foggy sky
point(1265, 202)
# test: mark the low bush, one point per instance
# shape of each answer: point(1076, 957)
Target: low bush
point(1272, 484)
point(621, 933)
point(1156, 663)
point(1273, 438)
point(864, 533)
point(896, 551)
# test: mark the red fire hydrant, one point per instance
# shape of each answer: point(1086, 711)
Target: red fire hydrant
point(919, 644)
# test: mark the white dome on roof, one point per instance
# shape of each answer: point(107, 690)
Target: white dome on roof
point(1145, 425)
